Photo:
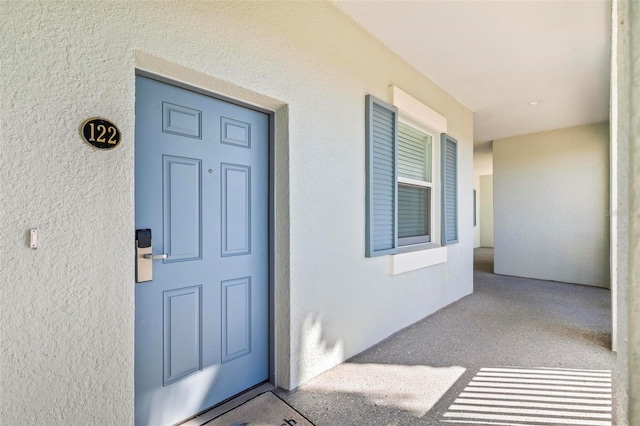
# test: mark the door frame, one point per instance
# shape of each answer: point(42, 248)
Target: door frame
point(271, 205)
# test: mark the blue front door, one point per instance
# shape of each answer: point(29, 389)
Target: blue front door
point(201, 187)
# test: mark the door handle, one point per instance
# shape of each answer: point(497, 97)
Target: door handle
point(144, 256)
point(155, 256)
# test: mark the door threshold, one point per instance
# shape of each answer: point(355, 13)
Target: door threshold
point(228, 405)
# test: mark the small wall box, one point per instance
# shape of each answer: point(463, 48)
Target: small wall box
point(33, 239)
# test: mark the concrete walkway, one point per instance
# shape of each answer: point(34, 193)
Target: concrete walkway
point(524, 341)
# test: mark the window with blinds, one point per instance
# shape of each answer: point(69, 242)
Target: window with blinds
point(414, 185)
point(414, 154)
point(403, 188)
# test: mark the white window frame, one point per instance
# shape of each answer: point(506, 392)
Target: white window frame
point(416, 114)
point(402, 118)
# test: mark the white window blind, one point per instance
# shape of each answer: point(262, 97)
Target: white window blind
point(414, 185)
point(414, 154)
point(413, 208)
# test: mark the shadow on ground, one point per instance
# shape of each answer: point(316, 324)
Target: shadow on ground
point(506, 322)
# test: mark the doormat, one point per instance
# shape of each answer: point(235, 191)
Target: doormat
point(263, 410)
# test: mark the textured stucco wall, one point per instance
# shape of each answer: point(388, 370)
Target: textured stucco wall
point(620, 201)
point(632, 120)
point(551, 203)
point(486, 211)
point(67, 308)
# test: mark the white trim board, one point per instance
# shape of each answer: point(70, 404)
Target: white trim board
point(405, 262)
point(416, 110)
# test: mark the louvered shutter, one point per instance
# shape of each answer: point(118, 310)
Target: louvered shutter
point(381, 168)
point(449, 169)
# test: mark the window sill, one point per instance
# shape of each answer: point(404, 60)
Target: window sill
point(416, 257)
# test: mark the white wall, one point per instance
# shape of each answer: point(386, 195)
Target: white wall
point(483, 158)
point(619, 114)
point(68, 307)
point(634, 216)
point(628, 132)
point(476, 228)
point(486, 211)
point(551, 205)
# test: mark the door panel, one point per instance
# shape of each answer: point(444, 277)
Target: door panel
point(182, 333)
point(236, 318)
point(235, 132)
point(202, 188)
point(182, 208)
point(236, 210)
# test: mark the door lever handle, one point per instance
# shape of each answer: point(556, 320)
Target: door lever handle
point(145, 256)
point(155, 256)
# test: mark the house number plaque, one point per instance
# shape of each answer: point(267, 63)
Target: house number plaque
point(100, 133)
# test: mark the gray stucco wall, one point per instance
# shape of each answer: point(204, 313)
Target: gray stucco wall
point(67, 308)
point(626, 113)
point(632, 121)
point(551, 205)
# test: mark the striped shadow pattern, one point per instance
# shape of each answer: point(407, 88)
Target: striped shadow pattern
point(540, 396)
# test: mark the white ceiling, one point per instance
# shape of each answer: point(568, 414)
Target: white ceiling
point(497, 56)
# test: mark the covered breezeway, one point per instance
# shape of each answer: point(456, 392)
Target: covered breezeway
point(516, 351)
